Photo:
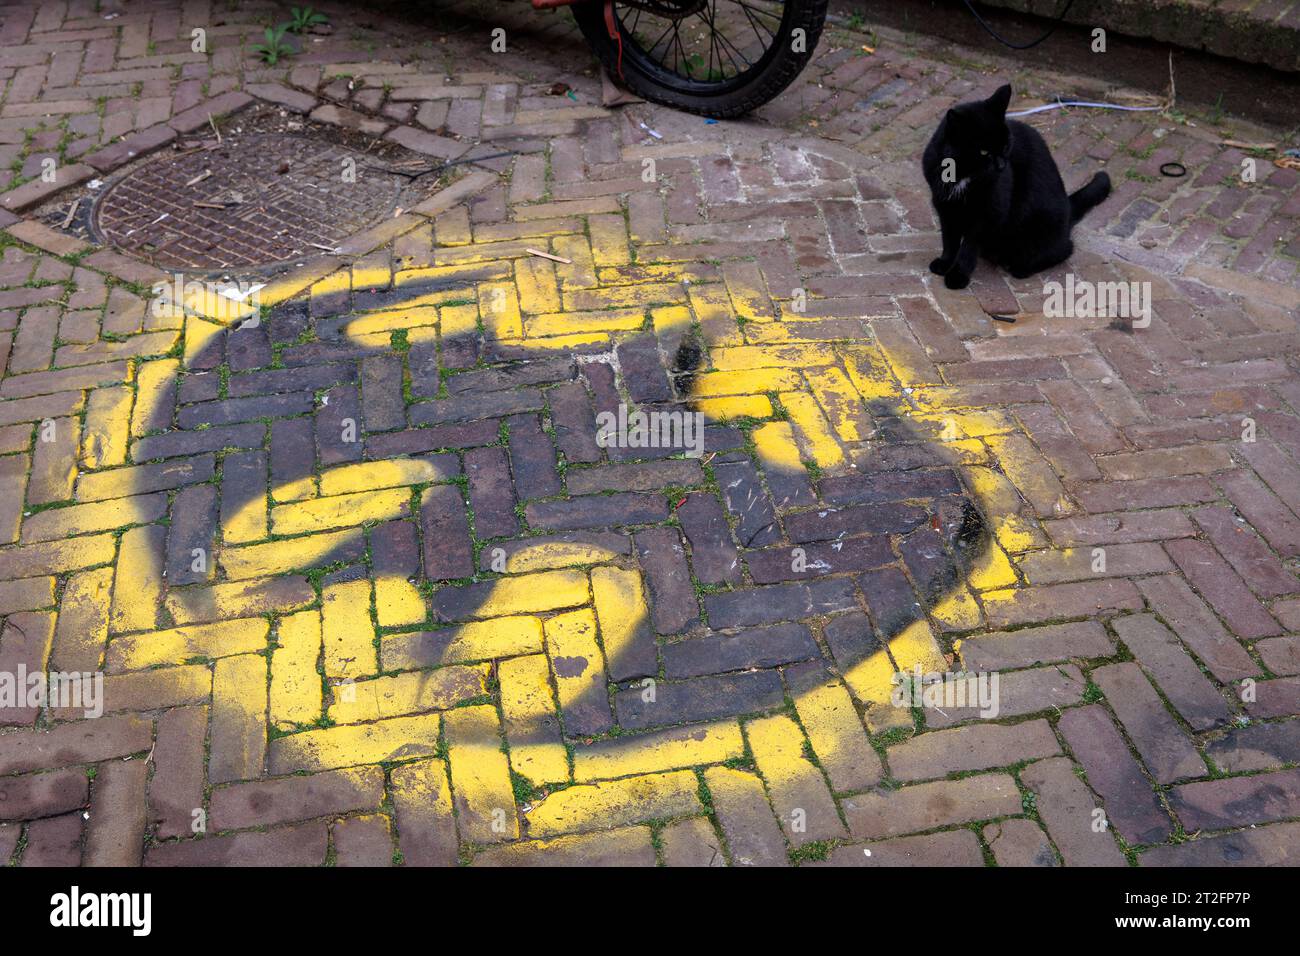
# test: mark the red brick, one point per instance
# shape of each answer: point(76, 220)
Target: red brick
point(1197, 627)
point(1173, 671)
point(973, 747)
point(81, 742)
point(1055, 601)
point(271, 802)
point(1237, 801)
point(1130, 803)
point(1242, 547)
point(301, 845)
point(1223, 589)
point(1036, 645)
point(948, 848)
point(1277, 845)
point(115, 831)
point(1018, 842)
point(1165, 748)
point(1066, 807)
point(925, 806)
point(43, 794)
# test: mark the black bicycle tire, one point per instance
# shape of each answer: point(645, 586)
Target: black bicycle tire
point(776, 75)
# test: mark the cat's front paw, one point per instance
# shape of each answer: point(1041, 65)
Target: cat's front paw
point(956, 279)
point(940, 266)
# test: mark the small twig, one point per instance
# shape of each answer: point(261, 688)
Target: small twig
point(213, 124)
point(208, 205)
point(547, 255)
point(1240, 144)
point(72, 211)
point(199, 178)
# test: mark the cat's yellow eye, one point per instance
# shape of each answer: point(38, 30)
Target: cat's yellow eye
point(984, 152)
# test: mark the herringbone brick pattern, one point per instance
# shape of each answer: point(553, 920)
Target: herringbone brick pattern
point(366, 587)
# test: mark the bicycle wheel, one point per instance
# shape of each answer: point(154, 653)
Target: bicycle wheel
point(719, 58)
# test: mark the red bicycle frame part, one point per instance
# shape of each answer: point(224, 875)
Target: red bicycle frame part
point(610, 23)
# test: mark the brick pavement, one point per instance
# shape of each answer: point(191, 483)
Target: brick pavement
point(366, 588)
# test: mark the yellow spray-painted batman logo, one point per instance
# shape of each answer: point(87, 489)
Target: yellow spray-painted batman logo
point(572, 600)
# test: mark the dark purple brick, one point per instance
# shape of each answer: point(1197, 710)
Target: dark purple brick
point(888, 486)
point(635, 476)
point(674, 606)
point(716, 652)
point(247, 348)
point(533, 458)
point(1160, 652)
point(790, 487)
point(472, 406)
point(1262, 571)
point(517, 375)
point(381, 393)
point(574, 422)
point(43, 794)
point(251, 435)
point(1257, 747)
point(830, 523)
point(418, 440)
point(232, 410)
point(756, 524)
point(931, 567)
point(818, 560)
point(700, 698)
point(713, 556)
point(851, 638)
point(490, 493)
point(779, 602)
point(1165, 748)
point(448, 551)
point(890, 599)
point(336, 421)
point(293, 450)
point(395, 550)
point(243, 481)
point(1222, 588)
point(193, 527)
point(643, 369)
point(598, 511)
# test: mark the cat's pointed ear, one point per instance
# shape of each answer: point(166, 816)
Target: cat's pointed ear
point(1000, 100)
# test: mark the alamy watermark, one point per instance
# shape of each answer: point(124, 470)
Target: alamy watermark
point(59, 690)
point(1082, 299)
point(933, 690)
point(680, 430)
point(74, 908)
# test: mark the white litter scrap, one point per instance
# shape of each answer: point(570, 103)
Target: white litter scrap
point(654, 133)
point(235, 294)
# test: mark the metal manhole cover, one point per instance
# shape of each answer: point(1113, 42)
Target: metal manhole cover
point(259, 200)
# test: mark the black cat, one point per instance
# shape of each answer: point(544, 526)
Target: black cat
point(997, 192)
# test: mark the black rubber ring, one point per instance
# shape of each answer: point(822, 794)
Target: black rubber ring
point(1173, 170)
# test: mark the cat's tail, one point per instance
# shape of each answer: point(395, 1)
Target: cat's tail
point(1084, 198)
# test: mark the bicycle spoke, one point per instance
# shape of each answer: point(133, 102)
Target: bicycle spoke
point(711, 42)
point(749, 15)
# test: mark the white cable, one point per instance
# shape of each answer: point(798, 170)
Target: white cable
point(1100, 106)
